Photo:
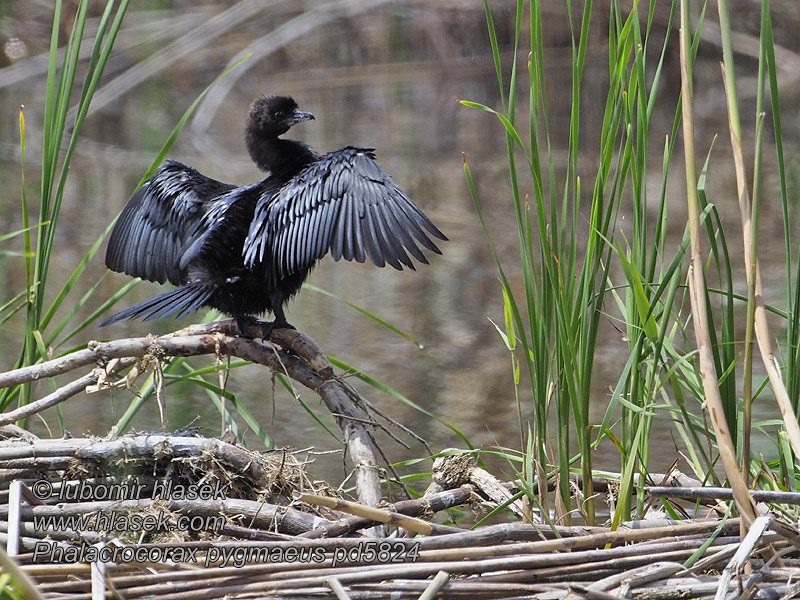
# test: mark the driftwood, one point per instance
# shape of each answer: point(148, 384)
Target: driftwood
point(457, 468)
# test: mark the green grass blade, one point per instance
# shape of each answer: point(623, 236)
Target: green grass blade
point(366, 313)
point(396, 395)
point(284, 381)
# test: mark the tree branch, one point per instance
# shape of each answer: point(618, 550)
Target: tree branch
point(289, 352)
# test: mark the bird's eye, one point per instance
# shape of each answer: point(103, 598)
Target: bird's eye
point(277, 114)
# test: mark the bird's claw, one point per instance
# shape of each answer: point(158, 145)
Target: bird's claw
point(268, 326)
point(247, 325)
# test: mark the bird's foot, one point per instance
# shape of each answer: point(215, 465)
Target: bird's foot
point(251, 328)
point(245, 323)
point(268, 326)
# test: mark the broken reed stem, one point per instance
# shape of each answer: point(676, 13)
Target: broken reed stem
point(378, 515)
point(700, 323)
point(749, 218)
point(428, 504)
point(717, 493)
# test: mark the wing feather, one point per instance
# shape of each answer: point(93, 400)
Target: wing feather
point(345, 204)
point(401, 231)
point(415, 220)
point(292, 240)
point(340, 245)
point(371, 241)
point(353, 232)
point(394, 235)
point(161, 222)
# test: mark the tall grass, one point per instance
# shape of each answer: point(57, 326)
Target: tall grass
point(59, 140)
point(40, 301)
point(576, 265)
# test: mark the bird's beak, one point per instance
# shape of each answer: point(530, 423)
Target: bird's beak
point(299, 116)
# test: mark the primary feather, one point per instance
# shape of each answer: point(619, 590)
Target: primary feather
point(343, 203)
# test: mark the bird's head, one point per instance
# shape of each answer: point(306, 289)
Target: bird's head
point(271, 116)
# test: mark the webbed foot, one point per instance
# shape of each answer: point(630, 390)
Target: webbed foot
point(268, 326)
point(245, 323)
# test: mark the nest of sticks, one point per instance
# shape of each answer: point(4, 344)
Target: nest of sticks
point(178, 516)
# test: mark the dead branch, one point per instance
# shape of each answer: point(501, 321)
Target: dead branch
point(378, 515)
point(139, 446)
point(717, 493)
point(427, 505)
point(290, 352)
point(64, 393)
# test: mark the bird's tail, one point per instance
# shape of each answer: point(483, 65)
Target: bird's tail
point(177, 302)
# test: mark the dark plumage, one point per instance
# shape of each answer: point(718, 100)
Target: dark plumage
point(246, 250)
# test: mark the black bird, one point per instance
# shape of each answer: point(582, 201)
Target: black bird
point(247, 250)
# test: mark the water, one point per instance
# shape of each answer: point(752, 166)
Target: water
point(389, 78)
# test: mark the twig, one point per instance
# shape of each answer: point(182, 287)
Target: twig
point(337, 588)
point(368, 407)
point(441, 579)
point(737, 561)
point(716, 493)
point(51, 368)
point(431, 503)
point(307, 364)
point(375, 514)
point(63, 393)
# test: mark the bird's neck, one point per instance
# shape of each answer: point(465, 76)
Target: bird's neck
point(280, 157)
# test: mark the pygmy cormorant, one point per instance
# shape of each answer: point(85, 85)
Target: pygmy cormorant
point(247, 250)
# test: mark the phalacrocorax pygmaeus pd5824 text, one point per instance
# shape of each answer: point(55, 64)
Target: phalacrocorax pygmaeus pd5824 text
point(247, 250)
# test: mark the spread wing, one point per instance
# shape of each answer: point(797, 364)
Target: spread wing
point(164, 219)
point(345, 203)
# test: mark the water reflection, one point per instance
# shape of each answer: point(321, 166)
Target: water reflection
point(388, 78)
